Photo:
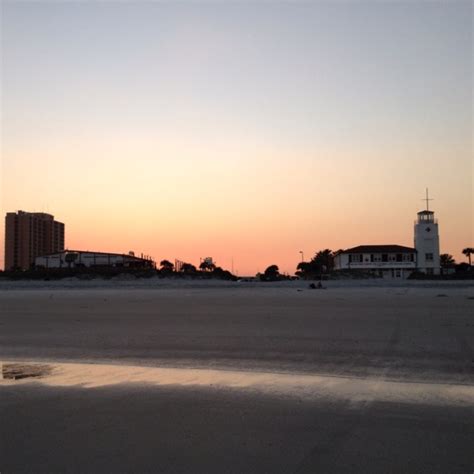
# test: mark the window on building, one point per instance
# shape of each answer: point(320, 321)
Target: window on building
point(429, 256)
point(399, 257)
point(384, 257)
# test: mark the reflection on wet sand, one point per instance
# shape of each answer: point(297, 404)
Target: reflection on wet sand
point(353, 389)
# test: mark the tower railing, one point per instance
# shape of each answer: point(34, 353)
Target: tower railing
point(432, 221)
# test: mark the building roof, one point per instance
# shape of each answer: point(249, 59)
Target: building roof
point(380, 249)
point(133, 257)
point(38, 215)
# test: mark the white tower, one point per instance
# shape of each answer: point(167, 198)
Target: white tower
point(427, 241)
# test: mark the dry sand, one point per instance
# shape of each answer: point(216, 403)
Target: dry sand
point(408, 333)
point(204, 377)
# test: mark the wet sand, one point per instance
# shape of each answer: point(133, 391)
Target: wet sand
point(140, 428)
point(340, 380)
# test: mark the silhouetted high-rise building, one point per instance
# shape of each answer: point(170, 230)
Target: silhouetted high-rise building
point(29, 235)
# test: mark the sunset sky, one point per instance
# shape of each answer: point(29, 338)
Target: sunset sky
point(246, 130)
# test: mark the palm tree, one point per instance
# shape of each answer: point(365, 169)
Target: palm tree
point(324, 258)
point(304, 269)
point(446, 260)
point(468, 251)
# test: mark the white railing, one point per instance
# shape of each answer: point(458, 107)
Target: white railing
point(392, 264)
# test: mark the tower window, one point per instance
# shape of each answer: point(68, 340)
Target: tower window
point(429, 256)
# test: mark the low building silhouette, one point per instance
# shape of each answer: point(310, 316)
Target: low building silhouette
point(90, 259)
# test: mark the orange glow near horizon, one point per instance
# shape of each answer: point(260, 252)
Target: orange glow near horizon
point(258, 212)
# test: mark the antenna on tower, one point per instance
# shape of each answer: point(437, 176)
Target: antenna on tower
point(427, 199)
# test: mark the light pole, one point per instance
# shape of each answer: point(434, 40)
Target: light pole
point(302, 256)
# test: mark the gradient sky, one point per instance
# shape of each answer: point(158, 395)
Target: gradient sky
point(250, 130)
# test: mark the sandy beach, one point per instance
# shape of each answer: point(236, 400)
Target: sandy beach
point(161, 376)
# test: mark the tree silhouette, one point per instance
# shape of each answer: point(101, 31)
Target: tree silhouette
point(166, 266)
point(468, 251)
point(322, 262)
point(304, 267)
point(219, 272)
point(207, 266)
point(188, 268)
point(272, 273)
point(446, 260)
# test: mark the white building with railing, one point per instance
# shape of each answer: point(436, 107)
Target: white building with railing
point(387, 261)
point(397, 261)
